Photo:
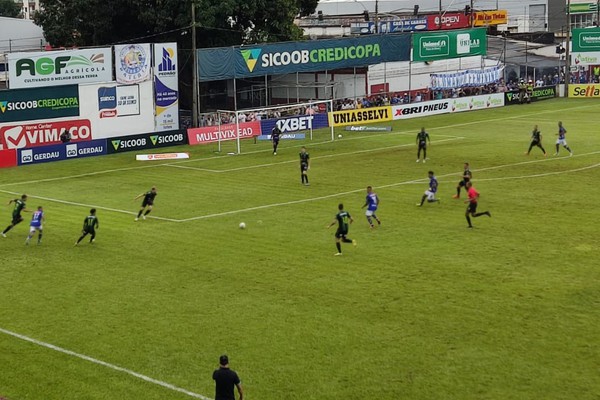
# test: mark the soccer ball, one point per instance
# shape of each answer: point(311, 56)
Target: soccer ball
point(340, 136)
point(242, 225)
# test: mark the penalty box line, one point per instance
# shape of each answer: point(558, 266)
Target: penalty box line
point(268, 150)
point(104, 364)
point(452, 138)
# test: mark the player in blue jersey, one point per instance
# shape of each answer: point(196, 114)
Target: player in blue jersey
point(37, 219)
point(430, 193)
point(371, 203)
point(562, 140)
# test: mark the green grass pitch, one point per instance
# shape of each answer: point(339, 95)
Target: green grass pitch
point(423, 308)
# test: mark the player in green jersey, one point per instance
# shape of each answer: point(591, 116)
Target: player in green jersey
point(304, 165)
point(90, 224)
point(20, 206)
point(343, 219)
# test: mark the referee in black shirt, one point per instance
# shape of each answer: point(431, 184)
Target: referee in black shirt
point(225, 379)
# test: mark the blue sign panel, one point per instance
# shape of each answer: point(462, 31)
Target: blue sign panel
point(301, 56)
point(59, 152)
point(295, 123)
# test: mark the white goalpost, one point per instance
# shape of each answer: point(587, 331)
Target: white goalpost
point(302, 114)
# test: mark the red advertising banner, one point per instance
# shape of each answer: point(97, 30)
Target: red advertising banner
point(8, 158)
point(211, 134)
point(448, 21)
point(43, 133)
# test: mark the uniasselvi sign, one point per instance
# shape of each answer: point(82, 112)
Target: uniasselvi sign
point(449, 44)
point(301, 56)
point(54, 68)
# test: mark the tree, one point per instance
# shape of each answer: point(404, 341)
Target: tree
point(8, 8)
point(220, 23)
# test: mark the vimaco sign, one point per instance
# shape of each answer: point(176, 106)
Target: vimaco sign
point(582, 91)
point(301, 56)
point(295, 123)
point(360, 116)
point(146, 141)
point(43, 133)
point(212, 134)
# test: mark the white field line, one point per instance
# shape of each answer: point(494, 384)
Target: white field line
point(72, 203)
point(269, 150)
point(313, 158)
point(105, 364)
point(409, 182)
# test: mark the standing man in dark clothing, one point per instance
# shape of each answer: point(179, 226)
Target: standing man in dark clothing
point(466, 177)
point(65, 136)
point(90, 223)
point(304, 165)
point(16, 214)
point(536, 140)
point(225, 379)
point(343, 219)
point(147, 203)
point(275, 136)
point(422, 139)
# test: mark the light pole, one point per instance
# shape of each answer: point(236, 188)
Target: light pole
point(376, 12)
point(194, 69)
point(567, 51)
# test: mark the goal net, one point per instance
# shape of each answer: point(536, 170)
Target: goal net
point(296, 121)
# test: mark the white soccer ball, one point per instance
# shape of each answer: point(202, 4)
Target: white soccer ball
point(340, 136)
point(242, 225)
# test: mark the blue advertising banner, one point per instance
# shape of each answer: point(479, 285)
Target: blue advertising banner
point(295, 123)
point(287, 136)
point(59, 152)
point(301, 56)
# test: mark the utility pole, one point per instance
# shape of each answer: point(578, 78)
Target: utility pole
point(194, 69)
point(567, 51)
point(376, 16)
point(441, 15)
point(471, 15)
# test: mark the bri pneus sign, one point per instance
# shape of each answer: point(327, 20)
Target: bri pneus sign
point(146, 141)
point(59, 152)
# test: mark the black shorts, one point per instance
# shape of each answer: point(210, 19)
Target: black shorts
point(303, 167)
point(147, 203)
point(340, 234)
point(535, 143)
point(422, 145)
point(472, 208)
point(90, 231)
point(463, 182)
point(16, 219)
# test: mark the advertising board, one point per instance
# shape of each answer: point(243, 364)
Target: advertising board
point(41, 103)
point(451, 44)
point(585, 40)
point(166, 87)
point(212, 134)
point(539, 93)
point(59, 152)
point(132, 63)
point(448, 21)
point(56, 68)
point(146, 141)
point(446, 106)
point(8, 158)
point(295, 123)
point(118, 101)
point(301, 56)
point(43, 133)
point(582, 91)
point(360, 116)
point(486, 18)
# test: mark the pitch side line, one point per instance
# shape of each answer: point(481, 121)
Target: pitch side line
point(72, 203)
point(268, 150)
point(314, 158)
point(105, 364)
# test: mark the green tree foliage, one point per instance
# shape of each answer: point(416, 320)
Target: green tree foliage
point(8, 8)
point(219, 22)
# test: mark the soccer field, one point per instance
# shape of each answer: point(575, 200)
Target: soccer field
point(423, 308)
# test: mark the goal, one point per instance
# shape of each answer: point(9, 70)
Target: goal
point(299, 118)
